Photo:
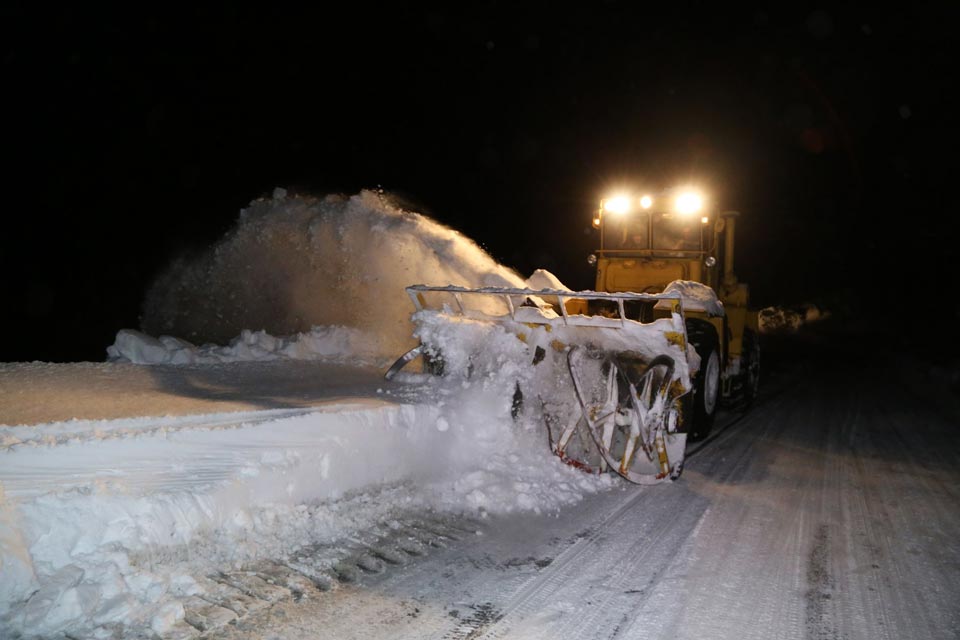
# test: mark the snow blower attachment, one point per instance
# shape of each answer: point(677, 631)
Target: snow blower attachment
point(611, 371)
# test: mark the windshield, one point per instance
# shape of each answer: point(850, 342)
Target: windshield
point(676, 234)
point(671, 233)
point(627, 232)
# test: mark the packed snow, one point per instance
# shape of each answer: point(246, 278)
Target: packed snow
point(697, 297)
point(100, 530)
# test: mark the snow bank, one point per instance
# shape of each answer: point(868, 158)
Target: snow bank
point(543, 279)
point(330, 344)
point(292, 263)
point(94, 525)
point(103, 531)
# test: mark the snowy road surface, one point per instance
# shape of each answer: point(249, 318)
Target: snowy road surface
point(33, 392)
point(830, 510)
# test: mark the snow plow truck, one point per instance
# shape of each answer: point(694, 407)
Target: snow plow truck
point(621, 376)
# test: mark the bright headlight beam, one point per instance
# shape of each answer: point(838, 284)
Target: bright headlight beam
point(618, 205)
point(646, 202)
point(689, 203)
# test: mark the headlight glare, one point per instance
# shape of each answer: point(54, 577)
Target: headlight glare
point(619, 205)
point(689, 202)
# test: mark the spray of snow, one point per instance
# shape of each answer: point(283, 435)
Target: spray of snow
point(295, 262)
point(326, 343)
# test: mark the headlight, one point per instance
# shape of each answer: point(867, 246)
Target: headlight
point(618, 205)
point(689, 202)
point(646, 202)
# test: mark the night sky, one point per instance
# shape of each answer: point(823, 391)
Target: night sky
point(132, 135)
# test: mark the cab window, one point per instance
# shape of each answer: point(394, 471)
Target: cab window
point(628, 232)
point(674, 233)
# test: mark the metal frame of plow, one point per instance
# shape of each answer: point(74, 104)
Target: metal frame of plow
point(507, 294)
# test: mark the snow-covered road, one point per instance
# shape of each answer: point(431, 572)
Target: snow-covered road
point(829, 511)
point(33, 393)
point(362, 510)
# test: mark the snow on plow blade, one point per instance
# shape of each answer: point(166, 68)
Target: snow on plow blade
point(609, 371)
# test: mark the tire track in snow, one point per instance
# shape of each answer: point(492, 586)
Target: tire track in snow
point(719, 472)
point(766, 578)
point(838, 604)
point(858, 559)
point(538, 591)
point(734, 542)
point(789, 577)
point(535, 594)
point(268, 590)
point(772, 608)
point(892, 547)
point(766, 403)
point(633, 551)
point(822, 617)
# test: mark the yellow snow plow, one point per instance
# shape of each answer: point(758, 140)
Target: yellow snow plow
point(654, 241)
point(609, 373)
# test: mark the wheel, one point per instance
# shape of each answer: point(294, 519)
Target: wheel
point(706, 384)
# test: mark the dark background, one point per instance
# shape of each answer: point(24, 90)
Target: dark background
point(132, 134)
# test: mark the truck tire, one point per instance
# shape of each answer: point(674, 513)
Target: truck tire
point(706, 384)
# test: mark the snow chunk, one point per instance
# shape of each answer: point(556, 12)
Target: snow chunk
point(543, 279)
point(697, 297)
point(168, 615)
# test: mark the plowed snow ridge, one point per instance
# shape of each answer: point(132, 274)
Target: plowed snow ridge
point(110, 524)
